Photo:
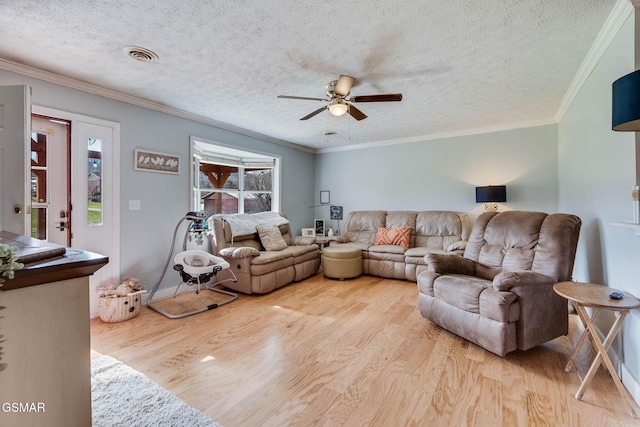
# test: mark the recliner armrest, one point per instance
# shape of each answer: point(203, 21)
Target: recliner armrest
point(449, 264)
point(241, 252)
point(508, 279)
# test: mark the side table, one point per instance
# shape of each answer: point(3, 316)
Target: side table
point(584, 295)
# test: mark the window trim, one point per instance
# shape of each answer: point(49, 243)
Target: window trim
point(229, 155)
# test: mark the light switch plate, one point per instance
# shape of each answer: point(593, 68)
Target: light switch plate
point(134, 205)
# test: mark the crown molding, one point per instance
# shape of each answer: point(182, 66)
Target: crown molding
point(442, 135)
point(621, 11)
point(140, 102)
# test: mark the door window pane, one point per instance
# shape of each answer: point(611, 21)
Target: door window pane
point(39, 185)
point(39, 223)
point(38, 149)
point(94, 182)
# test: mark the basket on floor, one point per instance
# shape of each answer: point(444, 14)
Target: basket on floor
point(119, 308)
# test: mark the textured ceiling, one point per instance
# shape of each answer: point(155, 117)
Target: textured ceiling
point(460, 65)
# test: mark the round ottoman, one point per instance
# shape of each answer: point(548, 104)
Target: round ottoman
point(341, 262)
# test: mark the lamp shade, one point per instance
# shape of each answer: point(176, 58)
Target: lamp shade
point(491, 193)
point(625, 109)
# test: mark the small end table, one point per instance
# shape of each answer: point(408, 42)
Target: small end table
point(597, 297)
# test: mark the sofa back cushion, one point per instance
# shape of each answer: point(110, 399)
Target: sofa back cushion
point(440, 229)
point(520, 240)
point(403, 219)
point(361, 226)
point(221, 236)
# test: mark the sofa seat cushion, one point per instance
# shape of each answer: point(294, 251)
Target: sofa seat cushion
point(259, 267)
point(385, 253)
point(267, 257)
point(387, 249)
point(302, 253)
point(461, 291)
point(361, 246)
point(416, 255)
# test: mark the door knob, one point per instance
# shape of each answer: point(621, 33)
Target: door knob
point(17, 209)
point(62, 226)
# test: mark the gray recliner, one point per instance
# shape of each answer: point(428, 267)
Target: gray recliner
point(499, 294)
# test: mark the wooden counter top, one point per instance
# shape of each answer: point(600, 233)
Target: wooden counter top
point(46, 262)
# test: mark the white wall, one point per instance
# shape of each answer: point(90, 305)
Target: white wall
point(596, 174)
point(146, 234)
point(442, 174)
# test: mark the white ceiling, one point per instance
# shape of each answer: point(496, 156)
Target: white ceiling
point(461, 65)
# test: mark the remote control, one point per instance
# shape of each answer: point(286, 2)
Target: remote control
point(616, 295)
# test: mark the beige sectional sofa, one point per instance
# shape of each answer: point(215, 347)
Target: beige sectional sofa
point(429, 232)
point(240, 240)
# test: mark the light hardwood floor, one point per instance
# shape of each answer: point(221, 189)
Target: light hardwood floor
point(353, 353)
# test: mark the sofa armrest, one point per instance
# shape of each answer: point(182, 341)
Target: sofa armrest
point(241, 252)
point(509, 279)
point(449, 264)
point(338, 239)
point(303, 240)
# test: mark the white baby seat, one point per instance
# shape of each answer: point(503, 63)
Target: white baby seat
point(197, 263)
point(198, 268)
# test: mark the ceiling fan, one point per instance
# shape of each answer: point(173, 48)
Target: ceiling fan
point(338, 104)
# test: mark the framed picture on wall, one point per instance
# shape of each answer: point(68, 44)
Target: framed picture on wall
point(309, 232)
point(325, 197)
point(318, 224)
point(151, 161)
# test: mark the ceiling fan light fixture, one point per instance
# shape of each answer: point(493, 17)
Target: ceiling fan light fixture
point(338, 107)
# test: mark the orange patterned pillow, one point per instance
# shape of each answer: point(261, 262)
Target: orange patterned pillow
point(398, 236)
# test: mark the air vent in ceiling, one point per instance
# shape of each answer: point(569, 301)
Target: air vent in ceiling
point(141, 54)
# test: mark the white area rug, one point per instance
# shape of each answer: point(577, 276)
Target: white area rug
point(122, 396)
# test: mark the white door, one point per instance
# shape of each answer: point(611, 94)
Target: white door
point(50, 180)
point(15, 128)
point(95, 215)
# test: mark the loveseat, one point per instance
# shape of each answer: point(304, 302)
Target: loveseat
point(394, 243)
point(262, 252)
point(499, 294)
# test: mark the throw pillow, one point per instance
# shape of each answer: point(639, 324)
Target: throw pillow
point(271, 238)
point(399, 236)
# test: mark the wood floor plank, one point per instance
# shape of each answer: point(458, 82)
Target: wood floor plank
point(354, 353)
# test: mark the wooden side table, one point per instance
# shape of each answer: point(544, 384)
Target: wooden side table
point(597, 297)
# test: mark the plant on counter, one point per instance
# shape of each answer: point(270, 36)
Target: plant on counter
point(8, 264)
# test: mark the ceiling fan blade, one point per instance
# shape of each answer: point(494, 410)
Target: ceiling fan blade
point(302, 97)
point(377, 98)
point(318, 111)
point(356, 114)
point(344, 85)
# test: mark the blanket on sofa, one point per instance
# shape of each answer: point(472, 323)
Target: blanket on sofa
point(245, 224)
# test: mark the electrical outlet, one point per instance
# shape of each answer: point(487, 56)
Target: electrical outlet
point(134, 205)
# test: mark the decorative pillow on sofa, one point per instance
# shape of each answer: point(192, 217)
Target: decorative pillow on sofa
point(399, 236)
point(271, 238)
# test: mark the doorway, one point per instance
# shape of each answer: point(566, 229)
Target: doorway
point(84, 203)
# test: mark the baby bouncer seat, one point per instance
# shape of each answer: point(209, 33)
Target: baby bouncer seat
point(198, 269)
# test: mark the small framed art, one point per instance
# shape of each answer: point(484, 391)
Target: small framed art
point(318, 225)
point(309, 232)
point(151, 161)
point(325, 197)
